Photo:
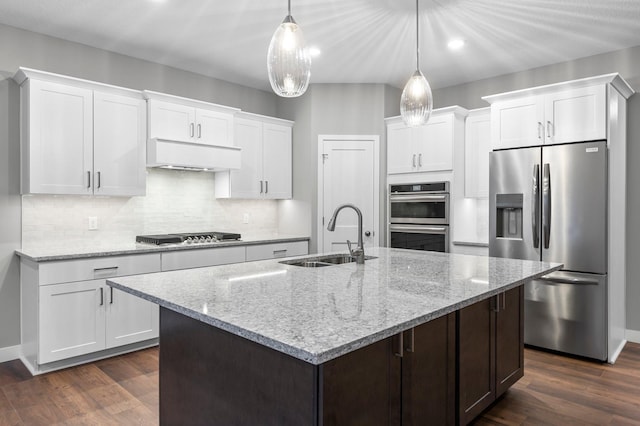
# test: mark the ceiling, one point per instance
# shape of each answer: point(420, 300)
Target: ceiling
point(361, 41)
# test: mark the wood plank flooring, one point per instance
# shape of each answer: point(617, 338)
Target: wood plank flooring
point(555, 390)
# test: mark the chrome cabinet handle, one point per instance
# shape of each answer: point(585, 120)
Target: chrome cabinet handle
point(101, 296)
point(199, 130)
point(412, 341)
point(420, 160)
point(99, 180)
point(88, 179)
point(261, 187)
point(414, 160)
point(496, 303)
point(549, 128)
point(546, 205)
point(539, 128)
point(266, 186)
point(191, 129)
point(400, 351)
point(111, 295)
point(535, 206)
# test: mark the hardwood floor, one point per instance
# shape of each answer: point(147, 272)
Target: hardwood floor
point(555, 390)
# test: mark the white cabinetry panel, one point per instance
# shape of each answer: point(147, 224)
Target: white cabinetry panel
point(171, 121)
point(277, 250)
point(130, 319)
point(184, 259)
point(72, 320)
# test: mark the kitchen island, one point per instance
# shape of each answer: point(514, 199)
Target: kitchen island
point(387, 342)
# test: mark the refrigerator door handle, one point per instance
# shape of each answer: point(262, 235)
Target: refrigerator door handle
point(546, 204)
point(535, 206)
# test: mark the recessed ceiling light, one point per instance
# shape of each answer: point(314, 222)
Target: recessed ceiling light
point(456, 44)
point(314, 51)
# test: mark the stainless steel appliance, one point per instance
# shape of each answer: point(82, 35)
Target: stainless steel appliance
point(187, 238)
point(419, 216)
point(550, 203)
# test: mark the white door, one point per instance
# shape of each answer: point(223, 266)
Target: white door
point(214, 127)
point(247, 181)
point(130, 319)
point(72, 320)
point(119, 145)
point(276, 161)
point(171, 121)
point(60, 139)
point(349, 174)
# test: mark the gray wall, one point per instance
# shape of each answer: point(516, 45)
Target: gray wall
point(339, 109)
point(627, 63)
point(32, 50)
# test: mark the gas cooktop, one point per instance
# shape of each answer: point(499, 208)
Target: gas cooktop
point(187, 238)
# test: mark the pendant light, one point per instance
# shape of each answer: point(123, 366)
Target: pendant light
point(416, 102)
point(288, 63)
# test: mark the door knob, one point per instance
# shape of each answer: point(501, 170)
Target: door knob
point(367, 233)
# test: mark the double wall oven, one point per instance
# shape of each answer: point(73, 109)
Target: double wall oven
point(419, 216)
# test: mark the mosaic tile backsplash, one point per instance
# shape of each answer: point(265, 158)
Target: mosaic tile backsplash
point(176, 201)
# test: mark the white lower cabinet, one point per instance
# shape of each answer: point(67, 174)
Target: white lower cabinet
point(277, 250)
point(70, 315)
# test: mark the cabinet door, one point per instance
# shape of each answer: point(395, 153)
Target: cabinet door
point(247, 181)
point(60, 139)
point(429, 373)
point(435, 144)
point(401, 156)
point(276, 250)
point(509, 339)
point(476, 155)
point(276, 161)
point(576, 115)
point(119, 145)
point(214, 127)
point(517, 123)
point(476, 359)
point(72, 320)
point(129, 319)
point(171, 121)
point(362, 387)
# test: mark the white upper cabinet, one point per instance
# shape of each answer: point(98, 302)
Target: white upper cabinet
point(266, 170)
point(188, 120)
point(427, 148)
point(574, 111)
point(80, 137)
point(477, 137)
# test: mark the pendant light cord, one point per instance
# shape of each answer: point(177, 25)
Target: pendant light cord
point(289, 7)
point(417, 38)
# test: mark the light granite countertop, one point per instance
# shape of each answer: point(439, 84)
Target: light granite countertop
point(68, 251)
point(317, 314)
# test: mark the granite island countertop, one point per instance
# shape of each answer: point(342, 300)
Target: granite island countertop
point(317, 314)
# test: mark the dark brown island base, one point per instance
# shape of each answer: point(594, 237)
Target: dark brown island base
point(407, 338)
point(443, 372)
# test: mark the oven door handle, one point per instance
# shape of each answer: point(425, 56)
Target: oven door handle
point(395, 198)
point(419, 229)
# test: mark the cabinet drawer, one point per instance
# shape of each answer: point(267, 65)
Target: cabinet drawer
point(277, 250)
point(97, 268)
point(201, 257)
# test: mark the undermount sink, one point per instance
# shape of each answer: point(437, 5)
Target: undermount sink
point(319, 261)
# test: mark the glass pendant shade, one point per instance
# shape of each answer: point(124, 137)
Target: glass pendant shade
point(416, 102)
point(288, 62)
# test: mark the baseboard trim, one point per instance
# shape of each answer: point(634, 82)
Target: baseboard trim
point(9, 353)
point(632, 336)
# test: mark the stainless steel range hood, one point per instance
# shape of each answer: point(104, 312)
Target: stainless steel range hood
point(179, 155)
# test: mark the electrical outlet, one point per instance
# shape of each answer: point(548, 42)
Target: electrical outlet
point(245, 218)
point(93, 223)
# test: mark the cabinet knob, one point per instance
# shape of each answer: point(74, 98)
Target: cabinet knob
point(367, 233)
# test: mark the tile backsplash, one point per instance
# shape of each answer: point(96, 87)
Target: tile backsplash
point(176, 201)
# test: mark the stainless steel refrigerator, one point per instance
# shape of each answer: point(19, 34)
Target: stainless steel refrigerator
point(550, 203)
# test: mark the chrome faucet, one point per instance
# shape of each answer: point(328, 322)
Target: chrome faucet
point(358, 252)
